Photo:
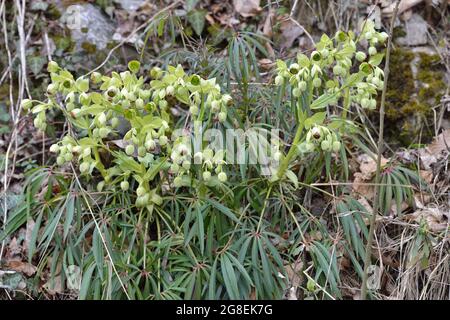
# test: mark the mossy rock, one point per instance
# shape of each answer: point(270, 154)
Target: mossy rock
point(416, 85)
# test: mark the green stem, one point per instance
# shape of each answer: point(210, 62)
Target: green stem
point(202, 109)
point(292, 151)
point(100, 165)
point(346, 102)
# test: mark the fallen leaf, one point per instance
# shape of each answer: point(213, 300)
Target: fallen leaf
point(247, 8)
point(266, 64)
point(368, 165)
point(435, 218)
point(440, 143)
point(435, 151)
point(20, 266)
point(290, 31)
point(14, 248)
point(268, 23)
point(28, 233)
point(402, 7)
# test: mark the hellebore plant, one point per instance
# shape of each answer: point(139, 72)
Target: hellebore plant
point(335, 74)
point(97, 110)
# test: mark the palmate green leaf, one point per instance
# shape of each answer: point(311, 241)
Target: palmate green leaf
point(229, 277)
point(238, 265)
point(388, 194)
point(70, 210)
point(201, 229)
point(226, 211)
point(97, 250)
point(34, 235)
point(86, 281)
point(196, 19)
point(212, 281)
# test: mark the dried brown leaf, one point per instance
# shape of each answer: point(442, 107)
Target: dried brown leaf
point(247, 8)
point(23, 267)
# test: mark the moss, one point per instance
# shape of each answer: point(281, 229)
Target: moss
point(411, 96)
point(89, 47)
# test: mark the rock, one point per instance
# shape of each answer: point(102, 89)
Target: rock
point(416, 32)
point(88, 24)
point(131, 5)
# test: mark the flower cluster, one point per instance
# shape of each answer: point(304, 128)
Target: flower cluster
point(328, 69)
point(128, 118)
point(320, 137)
point(207, 161)
point(199, 94)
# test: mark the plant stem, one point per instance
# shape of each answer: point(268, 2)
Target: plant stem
point(346, 102)
point(379, 154)
point(292, 151)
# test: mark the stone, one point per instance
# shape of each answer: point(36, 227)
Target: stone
point(88, 24)
point(131, 5)
point(416, 32)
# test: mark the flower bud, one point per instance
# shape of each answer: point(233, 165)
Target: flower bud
point(215, 106)
point(100, 186)
point(27, 104)
point(150, 144)
point(96, 77)
point(186, 165)
point(365, 103)
point(60, 160)
point(317, 82)
point(84, 167)
point(142, 151)
point(227, 99)
point(206, 175)
point(76, 149)
point(279, 80)
point(222, 177)
point(193, 110)
point(54, 148)
point(170, 90)
point(336, 146)
point(86, 152)
point(302, 85)
point(114, 122)
point(222, 116)
point(325, 145)
point(372, 51)
point(163, 104)
point(163, 140)
point(360, 56)
point(124, 185)
point(139, 103)
point(140, 191)
point(52, 67)
point(68, 156)
point(102, 118)
point(383, 36)
point(129, 149)
point(178, 181)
